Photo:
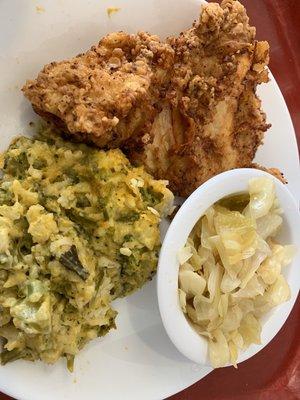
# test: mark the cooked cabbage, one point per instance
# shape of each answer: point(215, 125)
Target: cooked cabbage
point(231, 270)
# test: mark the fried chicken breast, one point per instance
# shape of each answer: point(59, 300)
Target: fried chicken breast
point(186, 109)
point(107, 94)
point(211, 119)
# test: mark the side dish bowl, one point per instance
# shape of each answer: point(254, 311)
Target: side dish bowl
point(181, 333)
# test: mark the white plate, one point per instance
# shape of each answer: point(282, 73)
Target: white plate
point(137, 361)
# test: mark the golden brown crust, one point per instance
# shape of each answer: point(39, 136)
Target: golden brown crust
point(212, 114)
point(186, 109)
point(107, 94)
point(273, 171)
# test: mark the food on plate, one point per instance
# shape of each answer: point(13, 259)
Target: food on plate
point(82, 224)
point(107, 94)
point(186, 108)
point(79, 227)
point(211, 118)
point(231, 270)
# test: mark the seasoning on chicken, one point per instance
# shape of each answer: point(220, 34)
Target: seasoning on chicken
point(211, 120)
point(107, 94)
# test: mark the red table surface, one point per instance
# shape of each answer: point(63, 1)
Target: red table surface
point(274, 373)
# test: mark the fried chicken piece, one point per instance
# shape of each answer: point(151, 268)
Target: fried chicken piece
point(186, 109)
point(107, 94)
point(211, 119)
point(273, 171)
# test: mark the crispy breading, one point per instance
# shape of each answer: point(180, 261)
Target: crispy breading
point(211, 119)
point(273, 171)
point(186, 109)
point(107, 94)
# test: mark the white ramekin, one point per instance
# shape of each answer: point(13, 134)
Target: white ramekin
point(184, 337)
